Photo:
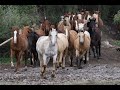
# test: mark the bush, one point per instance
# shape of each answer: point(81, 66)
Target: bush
point(117, 18)
point(17, 15)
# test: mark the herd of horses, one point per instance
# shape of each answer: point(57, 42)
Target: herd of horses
point(73, 38)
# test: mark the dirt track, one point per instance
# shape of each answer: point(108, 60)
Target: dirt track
point(105, 71)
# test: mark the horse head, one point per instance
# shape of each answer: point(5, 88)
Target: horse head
point(81, 37)
point(92, 24)
point(15, 33)
point(26, 30)
point(80, 25)
point(46, 26)
point(53, 36)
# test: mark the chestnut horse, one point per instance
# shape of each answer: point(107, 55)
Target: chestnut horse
point(46, 26)
point(19, 46)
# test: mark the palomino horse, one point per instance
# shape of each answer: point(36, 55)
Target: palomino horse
point(47, 48)
point(63, 44)
point(82, 46)
point(95, 35)
point(19, 46)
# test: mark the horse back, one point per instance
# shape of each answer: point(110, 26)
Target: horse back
point(73, 37)
point(62, 41)
point(23, 42)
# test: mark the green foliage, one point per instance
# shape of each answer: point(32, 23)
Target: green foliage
point(117, 18)
point(17, 15)
point(117, 43)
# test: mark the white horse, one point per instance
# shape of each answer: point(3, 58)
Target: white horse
point(47, 47)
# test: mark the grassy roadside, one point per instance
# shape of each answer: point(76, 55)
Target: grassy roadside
point(117, 42)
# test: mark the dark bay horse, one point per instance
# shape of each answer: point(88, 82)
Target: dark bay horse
point(32, 39)
point(95, 34)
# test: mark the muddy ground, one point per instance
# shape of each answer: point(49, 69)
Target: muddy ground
point(105, 71)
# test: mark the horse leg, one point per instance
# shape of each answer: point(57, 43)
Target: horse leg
point(41, 62)
point(89, 51)
point(64, 57)
point(41, 66)
point(80, 66)
point(11, 57)
point(36, 59)
point(93, 51)
point(85, 61)
point(18, 61)
point(44, 66)
point(96, 47)
point(88, 55)
point(31, 62)
point(100, 48)
point(60, 59)
point(26, 54)
point(54, 65)
point(71, 58)
point(77, 58)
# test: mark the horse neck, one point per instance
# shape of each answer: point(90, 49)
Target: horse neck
point(50, 42)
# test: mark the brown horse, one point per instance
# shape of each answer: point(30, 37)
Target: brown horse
point(19, 45)
point(46, 26)
point(62, 25)
point(40, 31)
point(99, 21)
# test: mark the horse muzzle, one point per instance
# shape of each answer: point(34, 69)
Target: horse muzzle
point(81, 43)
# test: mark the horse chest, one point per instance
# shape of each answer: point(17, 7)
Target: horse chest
point(51, 51)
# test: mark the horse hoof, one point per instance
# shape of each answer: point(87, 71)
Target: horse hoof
point(53, 75)
point(43, 77)
point(57, 66)
point(85, 62)
point(12, 67)
point(25, 69)
point(80, 67)
point(63, 67)
point(71, 65)
point(15, 70)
